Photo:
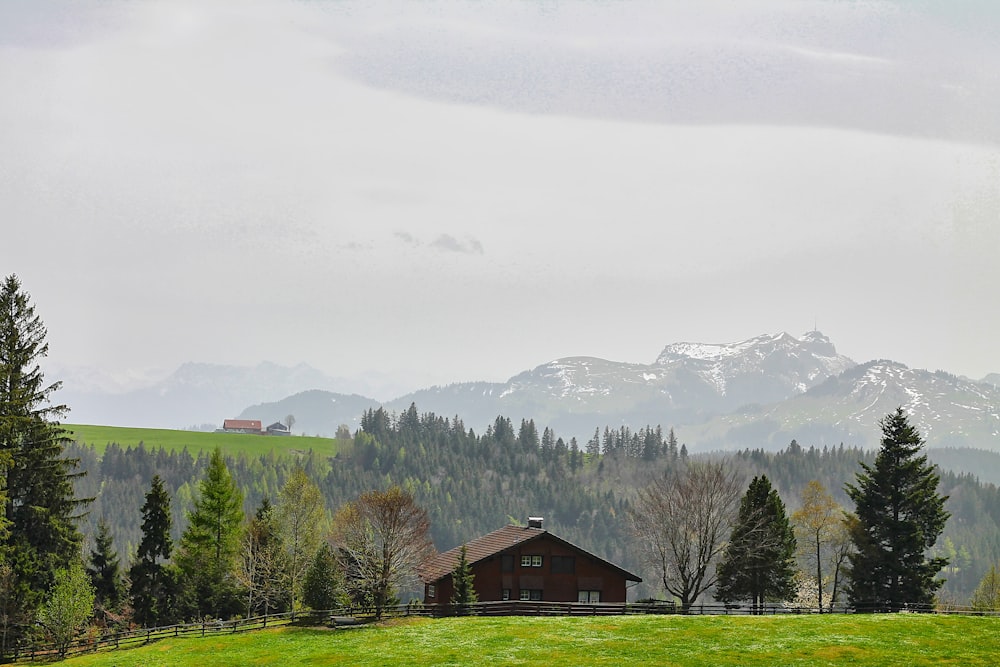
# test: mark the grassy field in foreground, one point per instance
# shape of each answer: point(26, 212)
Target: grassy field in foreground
point(231, 443)
point(902, 639)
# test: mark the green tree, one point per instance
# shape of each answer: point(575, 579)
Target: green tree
point(818, 522)
point(153, 584)
point(38, 532)
point(105, 569)
point(987, 594)
point(300, 515)
point(758, 564)
point(322, 586)
point(69, 607)
point(463, 588)
point(209, 550)
point(899, 517)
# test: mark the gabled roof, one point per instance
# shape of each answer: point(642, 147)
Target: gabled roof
point(493, 543)
point(242, 423)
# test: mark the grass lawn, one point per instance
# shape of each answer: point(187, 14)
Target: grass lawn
point(231, 444)
point(901, 639)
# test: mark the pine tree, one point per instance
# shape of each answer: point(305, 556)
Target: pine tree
point(323, 584)
point(210, 546)
point(38, 532)
point(153, 585)
point(758, 564)
point(900, 515)
point(463, 588)
point(105, 569)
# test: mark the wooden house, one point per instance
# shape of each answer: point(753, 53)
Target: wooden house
point(241, 426)
point(277, 428)
point(527, 563)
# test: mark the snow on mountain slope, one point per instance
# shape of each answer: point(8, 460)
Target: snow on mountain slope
point(947, 410)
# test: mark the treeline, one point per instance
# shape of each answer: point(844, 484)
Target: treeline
point(472, 484)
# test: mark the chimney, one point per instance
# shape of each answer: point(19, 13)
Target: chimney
point(535, 522)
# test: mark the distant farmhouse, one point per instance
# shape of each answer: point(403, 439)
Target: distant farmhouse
point(242, 426)
point(277, 428)
point(527, 563)
point(253, 426)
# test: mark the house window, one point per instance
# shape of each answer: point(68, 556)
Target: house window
point(431, 590)
point(588, 596)
point(563, 565)
point(505, 594)
point(532, 594)
point(531, 561)
point(507, 563)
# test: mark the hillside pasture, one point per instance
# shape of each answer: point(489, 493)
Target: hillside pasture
point(900, 639)
point(231, 444)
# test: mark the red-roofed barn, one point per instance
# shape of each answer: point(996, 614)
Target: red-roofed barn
point(527, 563)
point(241, 426)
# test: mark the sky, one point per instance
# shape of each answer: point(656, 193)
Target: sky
point(441, 192)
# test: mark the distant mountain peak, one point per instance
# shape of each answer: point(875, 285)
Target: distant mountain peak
point(812, 342)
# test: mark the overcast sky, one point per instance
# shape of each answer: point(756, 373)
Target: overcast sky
point(443, 192)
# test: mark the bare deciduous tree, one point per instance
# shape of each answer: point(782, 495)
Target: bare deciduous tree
point(382, 538)
point(681, 522)
point(263, 567)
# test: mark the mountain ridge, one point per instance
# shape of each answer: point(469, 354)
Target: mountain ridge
point(765, 390)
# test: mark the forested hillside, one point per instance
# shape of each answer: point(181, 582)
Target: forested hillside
point(474, 483)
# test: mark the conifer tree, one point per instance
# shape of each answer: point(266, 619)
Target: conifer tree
point(105, 569)
point(323, 584)
point(899, 517)
point(463, 588)
point(153, 585)
point(38, 532)
point(210, 546)
point(758, 564)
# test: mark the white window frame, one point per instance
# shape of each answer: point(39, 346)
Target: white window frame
point(588, 596)
point(531, 560)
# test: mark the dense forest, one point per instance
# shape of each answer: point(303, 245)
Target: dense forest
point(471, 484)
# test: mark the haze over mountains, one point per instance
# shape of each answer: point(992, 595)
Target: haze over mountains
point(760, 392)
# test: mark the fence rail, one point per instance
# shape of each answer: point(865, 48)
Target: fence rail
point(358, 615)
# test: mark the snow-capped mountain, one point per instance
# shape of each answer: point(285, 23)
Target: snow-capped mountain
point(687, 383)
point(948, 411)
point(761, 392)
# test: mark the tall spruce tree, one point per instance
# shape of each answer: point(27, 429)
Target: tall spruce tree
point(758, 564)
point(209, 551)
point(105, 570)
point(463, 587)
point(153, 584)
point(38, 531)
point(899, 517)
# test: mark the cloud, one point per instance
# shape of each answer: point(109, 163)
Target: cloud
point(449, 243)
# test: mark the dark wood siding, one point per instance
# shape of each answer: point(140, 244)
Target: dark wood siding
point(589, 574)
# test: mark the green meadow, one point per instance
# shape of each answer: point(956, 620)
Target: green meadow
point(231, 444)
point(901, 639)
